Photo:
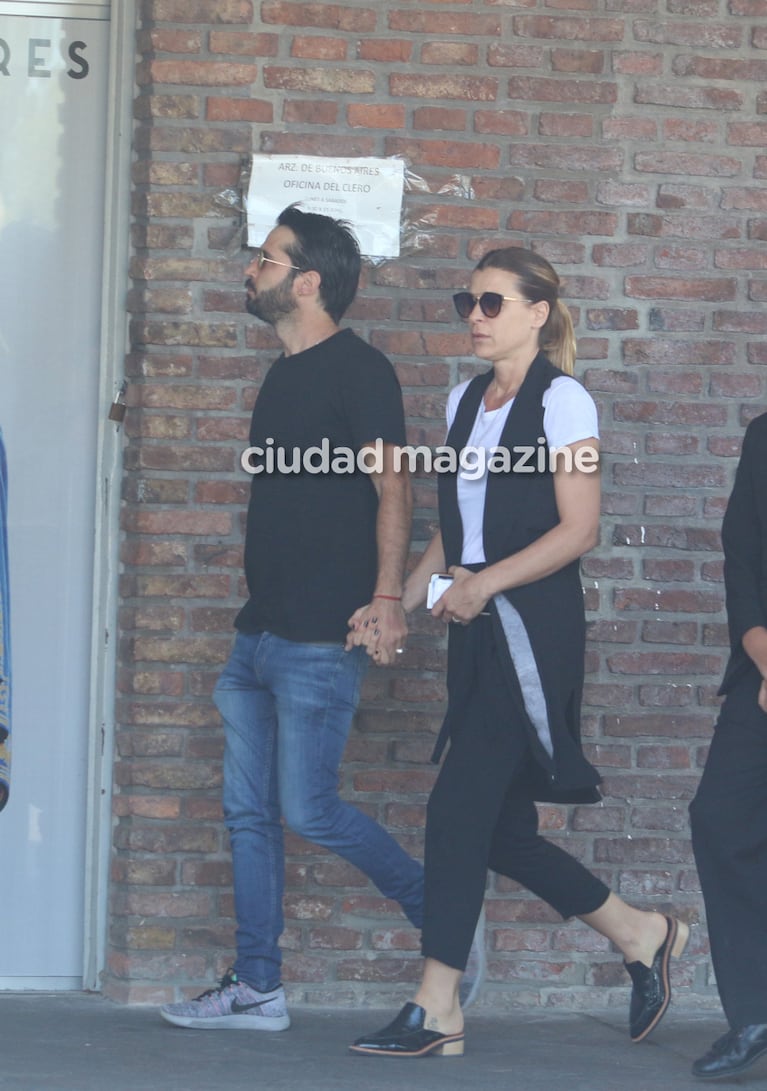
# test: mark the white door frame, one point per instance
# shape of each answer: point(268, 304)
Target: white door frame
point(104, 630)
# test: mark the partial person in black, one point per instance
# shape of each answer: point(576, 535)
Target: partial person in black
point(728, 815)
point(512, 539)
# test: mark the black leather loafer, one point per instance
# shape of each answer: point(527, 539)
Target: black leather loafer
point(406, 1036)
point(651, 987)
point(733, 1053)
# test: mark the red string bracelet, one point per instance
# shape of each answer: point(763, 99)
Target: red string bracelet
point(391, 598)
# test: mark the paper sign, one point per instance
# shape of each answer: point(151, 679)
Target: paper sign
point(366, 192)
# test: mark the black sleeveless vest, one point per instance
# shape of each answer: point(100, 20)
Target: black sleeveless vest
point(520, 507)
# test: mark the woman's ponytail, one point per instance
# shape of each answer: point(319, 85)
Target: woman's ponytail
point(557, 338)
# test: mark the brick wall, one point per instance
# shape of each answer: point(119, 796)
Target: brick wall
point(625, 141)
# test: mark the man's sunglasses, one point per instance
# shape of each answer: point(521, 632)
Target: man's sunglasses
point(258, 257)
point(490, 303)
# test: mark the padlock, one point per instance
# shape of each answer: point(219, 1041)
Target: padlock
point(118, 406)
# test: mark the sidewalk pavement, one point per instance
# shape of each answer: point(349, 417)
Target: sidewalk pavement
point(81, 1042)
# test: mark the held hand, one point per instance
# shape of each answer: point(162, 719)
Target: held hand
point(762, 698)
point(755, 647)
point(465, 600)
point(380, 628)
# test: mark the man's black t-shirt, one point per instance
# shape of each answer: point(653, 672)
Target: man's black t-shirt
point(310, 545)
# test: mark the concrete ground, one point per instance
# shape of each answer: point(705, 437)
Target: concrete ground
point(77, 1042)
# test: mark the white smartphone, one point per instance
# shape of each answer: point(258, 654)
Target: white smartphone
point(438, 584)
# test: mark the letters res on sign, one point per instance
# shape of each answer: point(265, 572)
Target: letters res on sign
point(38, 58)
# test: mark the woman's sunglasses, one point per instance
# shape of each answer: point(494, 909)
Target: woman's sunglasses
point(490, 303)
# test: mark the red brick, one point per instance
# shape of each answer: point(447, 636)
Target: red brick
point(393, 939)
point(236, 109)
point(679, 257)
point(566, 125)
point(697, 132)
point(434, 23)
point(645, 884)
point(187, 650)
point(587, 157)
point(688, 227)
point(201, 73)
point(613, 632)
point(682, 196)
point(319, 80)
point(379, 969)
point(443, 87)
point(433, 118)
point(518, 939)
point(668, 570)
point(589, 61)
point(199, 11)
point(670, 474)
point(735, 386)
point(585, 223)
point(541, 89)
point(664, 352)
point(163, 40)
point(393, 781)
point(642, 63)
point(705, 166)
point(599, 819)
point(660, 816)
point(318, 47)
point(515, 56)
point(177, 522)
point(570, 29)
point(708, 34)
point(712, 289)
point(449, 53)
point(737, 69)
point(328, 16)
point(335, 939)
point(376, 116)
point(240, 43)
point(387, 51)
point(649, 663)
point(643, 850)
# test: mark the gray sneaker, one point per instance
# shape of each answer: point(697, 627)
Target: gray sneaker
point(232, 1005)
point(474, 974)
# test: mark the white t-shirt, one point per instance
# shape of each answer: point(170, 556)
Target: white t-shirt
point(569, 416)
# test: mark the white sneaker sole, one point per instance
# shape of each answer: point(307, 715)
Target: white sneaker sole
point(229, 1022)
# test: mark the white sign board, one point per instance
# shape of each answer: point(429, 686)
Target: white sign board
point(366, 192)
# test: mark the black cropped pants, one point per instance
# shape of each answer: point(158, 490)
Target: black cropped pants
point(481, 814)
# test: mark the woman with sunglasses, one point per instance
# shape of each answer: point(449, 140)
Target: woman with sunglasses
point(512, 541)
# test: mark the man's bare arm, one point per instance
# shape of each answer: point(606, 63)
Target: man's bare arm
point(380, 625)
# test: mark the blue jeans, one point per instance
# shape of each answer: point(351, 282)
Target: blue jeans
point(287, 710)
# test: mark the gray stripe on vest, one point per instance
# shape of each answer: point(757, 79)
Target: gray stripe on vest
point(522, 657)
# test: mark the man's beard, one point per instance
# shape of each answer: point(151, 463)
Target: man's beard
point(273, 304)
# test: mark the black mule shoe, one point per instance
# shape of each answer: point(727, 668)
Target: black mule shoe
point(651, 987)
point(406, 1036)
point(733, 1053)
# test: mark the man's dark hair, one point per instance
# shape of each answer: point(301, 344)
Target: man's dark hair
point(329, 247)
